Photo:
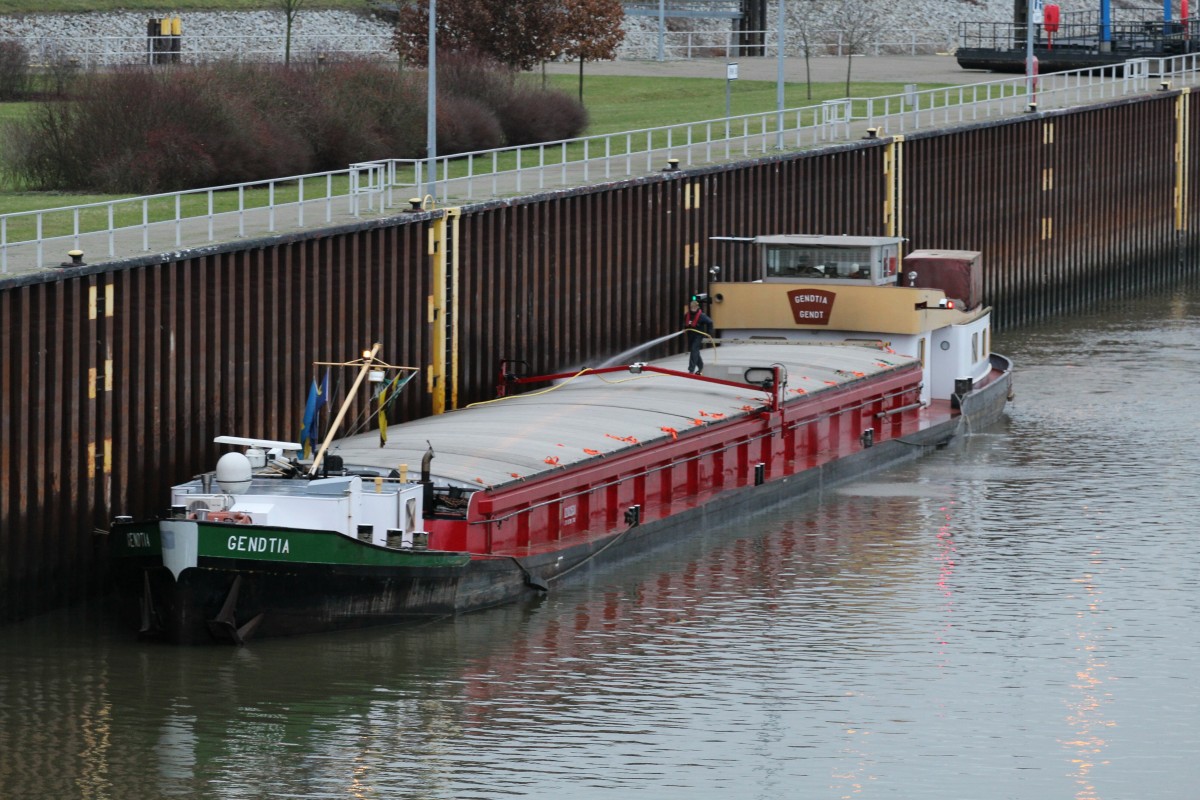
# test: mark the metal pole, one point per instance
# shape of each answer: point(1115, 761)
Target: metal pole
point(1029, 50)
point(431, 123)
point(728, 80)
point(662, 28)
point(779, 79)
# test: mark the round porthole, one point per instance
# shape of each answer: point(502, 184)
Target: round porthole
point(945, 345)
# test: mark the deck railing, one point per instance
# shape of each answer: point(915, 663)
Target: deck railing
point(163, 222)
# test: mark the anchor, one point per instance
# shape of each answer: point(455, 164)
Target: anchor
point(224, 625)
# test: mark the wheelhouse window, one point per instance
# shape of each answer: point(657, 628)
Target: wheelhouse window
point(813, 262)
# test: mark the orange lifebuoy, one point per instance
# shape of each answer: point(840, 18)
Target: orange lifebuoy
point(242, 519)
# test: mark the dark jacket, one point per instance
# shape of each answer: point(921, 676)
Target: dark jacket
point(697, 321)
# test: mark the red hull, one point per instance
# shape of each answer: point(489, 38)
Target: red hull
point(587, 502)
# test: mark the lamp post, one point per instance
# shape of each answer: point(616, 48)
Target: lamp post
point(1033, 16)
point(431, 105)
point(662, 30)
point(779, 78)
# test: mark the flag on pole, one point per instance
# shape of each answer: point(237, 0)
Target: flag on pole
point(322, 401)
point(386, 395)
point(318, 397)
point(382, 398)
point(307, 432)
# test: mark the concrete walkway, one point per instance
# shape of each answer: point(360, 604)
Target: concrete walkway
point(825, 69)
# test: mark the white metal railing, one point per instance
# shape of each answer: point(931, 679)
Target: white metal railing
point(173, 217)
point(220, 213)
point(603, 157)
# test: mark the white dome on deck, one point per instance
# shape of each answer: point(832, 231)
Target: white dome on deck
point(234, 473)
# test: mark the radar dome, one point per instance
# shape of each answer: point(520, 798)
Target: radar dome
point(234, 473)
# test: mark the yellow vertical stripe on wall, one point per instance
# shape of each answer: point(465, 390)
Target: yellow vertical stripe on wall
point(893, 168)
point(452, 215)
point(93, 309)
point(108, 299)
point(437, 249)
point(1182, 142)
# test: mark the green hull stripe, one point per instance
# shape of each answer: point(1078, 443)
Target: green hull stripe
point(282, 545)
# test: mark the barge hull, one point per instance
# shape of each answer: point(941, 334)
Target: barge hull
point(330, 582)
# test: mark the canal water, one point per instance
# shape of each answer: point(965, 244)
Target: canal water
point(1015, 617)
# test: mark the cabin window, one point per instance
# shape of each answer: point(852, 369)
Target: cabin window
point(975, 347)
point(987, 342)
point(816, 263)
point(921, 351)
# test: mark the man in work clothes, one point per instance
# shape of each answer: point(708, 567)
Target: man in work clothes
point(696, 323)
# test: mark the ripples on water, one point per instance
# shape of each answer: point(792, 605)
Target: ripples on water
point(1012, 618)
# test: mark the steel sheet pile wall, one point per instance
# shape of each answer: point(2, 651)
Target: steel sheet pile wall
point(572, 278)
point(113, 385)
point(1068, 209)
point(840, 190)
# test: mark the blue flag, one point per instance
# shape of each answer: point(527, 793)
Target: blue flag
point(322, 401)
point(310, 427)
point(307, 431)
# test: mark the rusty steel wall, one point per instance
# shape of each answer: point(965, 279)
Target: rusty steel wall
point(576, 277)
point(113, 381)
point(113, 384)
point(1068, 209)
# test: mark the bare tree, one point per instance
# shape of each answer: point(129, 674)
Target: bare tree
point(591, 31)
point(803, 24)
point(859, 23)
point(290, 9)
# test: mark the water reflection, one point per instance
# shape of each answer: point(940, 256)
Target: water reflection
point(1014, 617)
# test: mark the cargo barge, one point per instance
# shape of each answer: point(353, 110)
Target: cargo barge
point(838, 360)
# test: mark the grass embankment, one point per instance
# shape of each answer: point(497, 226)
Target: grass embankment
point(615, 104)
